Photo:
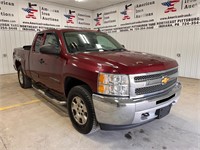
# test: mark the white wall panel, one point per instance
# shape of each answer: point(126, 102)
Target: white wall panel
point(1, 58)
point(8, 41)
point(168, 42)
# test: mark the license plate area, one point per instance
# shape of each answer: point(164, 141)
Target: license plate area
point(163, 111)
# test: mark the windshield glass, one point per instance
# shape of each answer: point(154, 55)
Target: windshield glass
point(90, 41)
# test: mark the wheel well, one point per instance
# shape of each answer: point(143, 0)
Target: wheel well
point(17, 64)
point(70, 82)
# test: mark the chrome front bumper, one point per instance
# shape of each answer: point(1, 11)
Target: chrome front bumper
point(117, 111)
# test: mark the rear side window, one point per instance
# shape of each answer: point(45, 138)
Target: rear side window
point(52, 39)
point(38, 42)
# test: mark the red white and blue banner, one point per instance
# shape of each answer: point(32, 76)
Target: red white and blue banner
point(178, 13)
point(76, 18)
point(132, 15)
point(32, 15)
point(149, 14)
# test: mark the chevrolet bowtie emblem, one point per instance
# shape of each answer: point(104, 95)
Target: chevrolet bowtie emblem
point(165, 80)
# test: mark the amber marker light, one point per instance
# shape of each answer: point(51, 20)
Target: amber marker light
point(101, 78)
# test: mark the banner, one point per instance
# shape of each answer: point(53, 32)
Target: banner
point(132, 15)
point(177, 13)
point(76, 18)
point(33, 16)
point(36, 17)
point(145, 14)
point(84, 19)
point(149, 14)
point(9, 15)
point(106, 19)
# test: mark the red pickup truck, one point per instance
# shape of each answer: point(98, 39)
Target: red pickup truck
point(99, 82)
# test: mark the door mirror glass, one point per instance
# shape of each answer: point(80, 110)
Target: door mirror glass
point(123, 46)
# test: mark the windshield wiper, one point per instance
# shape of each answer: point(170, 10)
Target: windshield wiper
point(91, 50)
point(117, 49)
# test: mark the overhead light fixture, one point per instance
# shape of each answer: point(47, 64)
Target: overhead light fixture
point(79, 0)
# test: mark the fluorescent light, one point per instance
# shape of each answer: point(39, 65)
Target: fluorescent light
point(79, 0)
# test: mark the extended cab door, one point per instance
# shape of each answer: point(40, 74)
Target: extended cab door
point(34, 59)
point(51, 66)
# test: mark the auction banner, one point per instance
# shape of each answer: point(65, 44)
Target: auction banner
point(144, 14)
point(36, 17)
point(106, 19)
point(50, 16)
point(76, 18)
point(150, 14)
point(9, 15)
point(84, 19)
point(177, 13)
point(126, 17)
point(69, 18)
point(132, 15)
point(29, 16)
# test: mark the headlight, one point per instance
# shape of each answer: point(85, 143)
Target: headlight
point(113, 84)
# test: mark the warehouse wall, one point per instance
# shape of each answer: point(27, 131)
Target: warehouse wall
point(168, 42)
point(26, 27)
point(163, 41)
point(8, 41)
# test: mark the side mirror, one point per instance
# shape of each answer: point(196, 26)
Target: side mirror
point(123, 46)
point(49, 49)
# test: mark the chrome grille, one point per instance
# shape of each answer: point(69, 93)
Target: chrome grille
point(147, 84)
point(155, 76)
point(155, 88)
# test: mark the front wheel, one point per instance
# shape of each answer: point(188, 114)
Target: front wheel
point(81, 111)
point(24, 81)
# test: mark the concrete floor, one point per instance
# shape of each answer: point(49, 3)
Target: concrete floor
point(27, 122)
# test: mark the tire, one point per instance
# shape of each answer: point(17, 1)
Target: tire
point(81, 111)
point(24, 81)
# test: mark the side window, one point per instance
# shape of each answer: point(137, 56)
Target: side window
point(104, 42)
point(38, 42)
point(52, 39)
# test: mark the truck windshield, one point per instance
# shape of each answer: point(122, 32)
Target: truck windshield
point(90, 41)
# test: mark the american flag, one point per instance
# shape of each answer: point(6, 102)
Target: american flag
point(30, 12)
point(70, 18)
point(170, 5)
point(98, 21)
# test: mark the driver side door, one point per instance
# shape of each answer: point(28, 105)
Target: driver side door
point(52, 65)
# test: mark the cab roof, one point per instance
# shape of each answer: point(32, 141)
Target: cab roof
point(66, 30)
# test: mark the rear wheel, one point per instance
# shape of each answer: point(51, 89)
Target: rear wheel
point(24, 81)
point(81, 110)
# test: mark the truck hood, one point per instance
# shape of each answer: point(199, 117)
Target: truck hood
point(125, 62)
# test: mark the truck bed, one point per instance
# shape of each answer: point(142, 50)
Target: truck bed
point(22, 54)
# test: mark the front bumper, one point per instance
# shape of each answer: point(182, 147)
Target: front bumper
point(120, 113)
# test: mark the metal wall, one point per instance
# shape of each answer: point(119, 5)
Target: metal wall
point(8, 41)
point(168, 42)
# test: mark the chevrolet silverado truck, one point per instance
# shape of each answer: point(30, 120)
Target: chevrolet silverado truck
point(99, 82)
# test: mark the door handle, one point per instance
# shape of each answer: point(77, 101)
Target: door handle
point(42, 61)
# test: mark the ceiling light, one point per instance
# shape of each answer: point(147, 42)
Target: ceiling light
point(79, 0)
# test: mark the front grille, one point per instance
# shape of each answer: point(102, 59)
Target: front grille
point(155, 76)
point(155, 88)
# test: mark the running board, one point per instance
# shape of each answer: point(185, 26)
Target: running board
point(49, 97)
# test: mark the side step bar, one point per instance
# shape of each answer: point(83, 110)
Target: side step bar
point(49, 97)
